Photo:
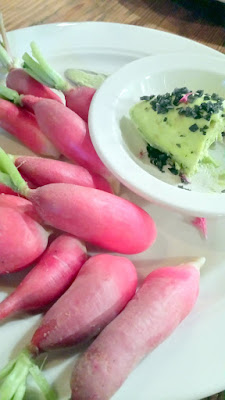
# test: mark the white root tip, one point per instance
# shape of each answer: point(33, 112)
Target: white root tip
point(198, 263)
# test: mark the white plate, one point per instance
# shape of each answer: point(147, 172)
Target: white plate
point(190, 364)
point(120, 148)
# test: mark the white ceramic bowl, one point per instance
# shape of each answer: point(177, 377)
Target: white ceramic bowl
point(117, 142)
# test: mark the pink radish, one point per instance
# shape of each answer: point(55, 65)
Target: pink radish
point(49, 279)
point(165, 298)
point(69, 133)
point(22, 124)
point(92, 215)
point(79, 100)
point(42, 171)
point(6, 190)
point(17, 79)
point(65, 129)
point(101, 290)
point(100, 218)
point(19, 204)
point(23, 240)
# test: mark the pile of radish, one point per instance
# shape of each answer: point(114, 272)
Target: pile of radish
point(49, 210)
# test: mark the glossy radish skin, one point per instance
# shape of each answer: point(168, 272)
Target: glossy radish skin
point(69, 133)
point(165, 298)
point(79, 100)
point(17, 79)
point(23, 239)
point(19, 204)
point(6, 190)
point(42, 171)
point(22, 124)
point(49, 279)
point(101, 290)
point(95, 216)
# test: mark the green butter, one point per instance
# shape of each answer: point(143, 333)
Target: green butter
point(170, 131)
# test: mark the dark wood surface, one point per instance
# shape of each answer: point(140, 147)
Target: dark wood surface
point(200, 20)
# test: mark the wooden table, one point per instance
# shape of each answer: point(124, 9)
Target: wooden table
point(203, 22)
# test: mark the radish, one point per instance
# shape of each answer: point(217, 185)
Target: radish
point(49, 279)
point(19, 204)
point(101, 290)
point(164, 299)
point(23, 239)
point(92, 215)
point(79, 98)
point(22, 124)
point(6, 190)
point(42, 171)
point(17, 79)
point(65, 129)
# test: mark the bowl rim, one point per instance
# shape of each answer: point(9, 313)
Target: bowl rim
point(124, 167)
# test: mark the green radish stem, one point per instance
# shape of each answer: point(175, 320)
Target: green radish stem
point(10, 95)
point(5, 39)
point(7, 167)
point(42, 71)
point(19, 395)
point(5, 59)
point(15, 376)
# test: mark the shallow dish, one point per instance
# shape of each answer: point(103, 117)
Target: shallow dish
point(117, 141)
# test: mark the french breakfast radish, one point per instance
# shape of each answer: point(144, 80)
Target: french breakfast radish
point(22, 124)
point(90, 214)
point(18, 79)
point(101, 290)
point(49, 279)
point(23, 239)
point(42, 171)
point(77, 98)
point(164, 299)
point(64, 128)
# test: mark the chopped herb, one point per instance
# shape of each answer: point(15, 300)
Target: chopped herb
point(182, 136)
point(223, 191)
point(223, 134)
point(178, 145)
point(173, 171)
point(193, 128)
point(147, 98)
point(157, 157)
point(223, 115)
point(165, 119)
